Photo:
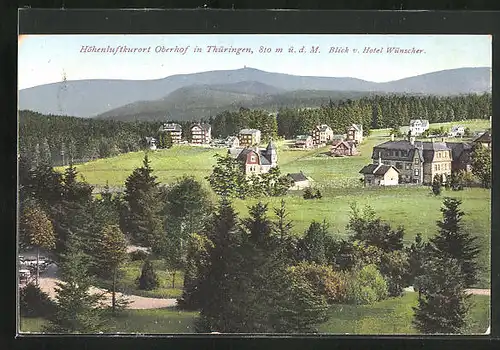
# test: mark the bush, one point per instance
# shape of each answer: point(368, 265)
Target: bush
point(34, 302)
point(324, 280)
point(148, 280)
point(138, 255)
point(366, 286)
point(308, 193)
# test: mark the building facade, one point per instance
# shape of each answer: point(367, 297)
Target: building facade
point(322, 134)
point(304, 141)
point(380, 175)
point(256, 161)
point(418, 126)
point(249, 137)
point(174, 130)
point(355, 133)
point(201, 133)
point(417, 162)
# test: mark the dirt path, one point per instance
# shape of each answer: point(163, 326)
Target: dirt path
point(49, 279)
point(474, 291)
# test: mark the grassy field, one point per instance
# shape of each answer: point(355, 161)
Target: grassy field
point(337, 178)
point(132, 269)
point(392, 316)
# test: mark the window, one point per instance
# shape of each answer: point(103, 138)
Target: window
point(399, 165)
point(416, 160)
point(408, 166)
point(252, 159)
point(416, 172)
point(438, 154)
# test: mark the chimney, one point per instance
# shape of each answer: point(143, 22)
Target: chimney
point(412, 140)
point(379, 158)
point(392, 137)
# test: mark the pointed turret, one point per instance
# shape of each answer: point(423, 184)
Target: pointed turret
point(271, 153)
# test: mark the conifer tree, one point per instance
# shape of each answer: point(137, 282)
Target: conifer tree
point(222, 282)
point(77, 310)
point(443, 304)
point(454, 242)
point(142, 220)
point(148, 280)
point(436, 185)
point(417, 254)
point(481, 164)
point(112, 252)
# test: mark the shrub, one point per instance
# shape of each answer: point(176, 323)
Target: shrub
point(34, 302)
point(308, 193)
point(318, 194)
point(148, 280)
point(324, 280)
point(138, 255)
point(366, 286)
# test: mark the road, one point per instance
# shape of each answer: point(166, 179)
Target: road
point(48, 282)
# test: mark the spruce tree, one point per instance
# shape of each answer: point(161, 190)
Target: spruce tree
point(141, 219)
point(417, 254)
point(436, 185)
point(148, 280)
point(443, 304)
point(312, 245)
point(454, 242)
point(221, 285)
point(77, 310)
point(111, 253)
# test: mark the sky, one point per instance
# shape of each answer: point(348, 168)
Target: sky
point(44, 59)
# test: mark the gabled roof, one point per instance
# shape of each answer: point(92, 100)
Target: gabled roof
point(377, 169)
point(249, 131)
point(271, 146)
point(356, 127)
point(203, 126)
point(424, 122)
point(457, 148)
point(297, 177)
point(484, 137)
point(323, 127)
point(347, 144)
point(170, 127)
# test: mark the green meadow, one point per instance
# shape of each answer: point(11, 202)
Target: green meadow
point(391, 316)
point(413, 207)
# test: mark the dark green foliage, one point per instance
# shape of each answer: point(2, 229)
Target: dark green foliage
point(77, 310)
point(437, 184)
point(148, 280)
point(318, 194)
point(186, 209)
point(228, 178)
point(417, 254)
point(308, 193)
point(34, 302)
point(141, 220)
point(312, 245)
point(229, 123)
point(222, 280)
point(197, 265)
point(481, 164)
point(138, 255)
point(454, 242)
point(443, 304)
point(457, 180)
point(371, 230)
point(81, 139)
point(394, 267)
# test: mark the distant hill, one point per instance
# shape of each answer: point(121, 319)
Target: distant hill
point(88, 98)
point(195, 102)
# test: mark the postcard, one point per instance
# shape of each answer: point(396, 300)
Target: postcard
point(254, 184)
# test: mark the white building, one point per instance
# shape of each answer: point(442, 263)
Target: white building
point(418, 126)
